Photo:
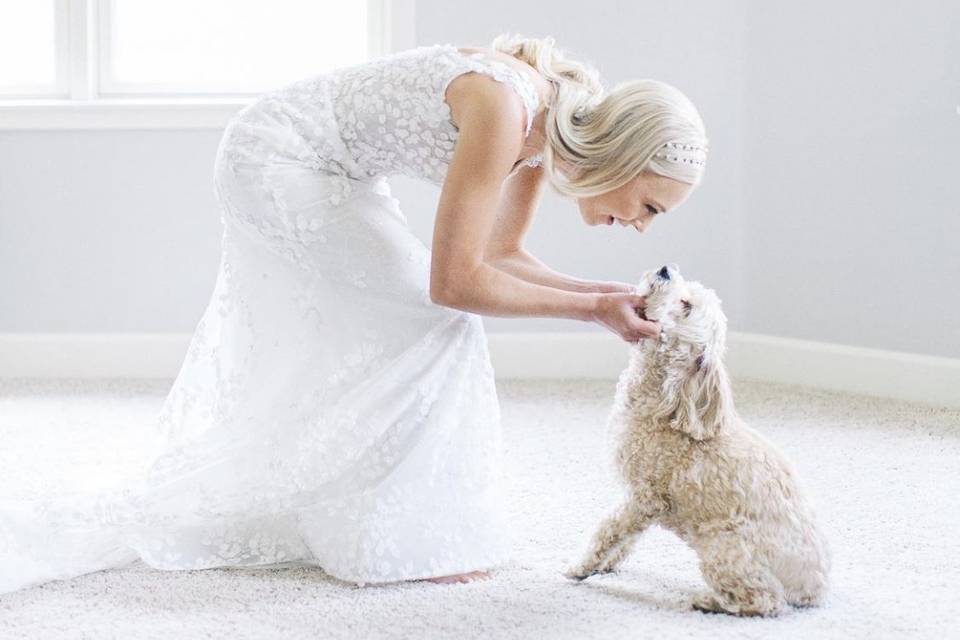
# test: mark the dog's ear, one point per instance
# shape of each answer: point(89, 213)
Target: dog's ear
point(704, 400)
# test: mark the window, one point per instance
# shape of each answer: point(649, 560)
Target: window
point(175, 63)
point(31, 60)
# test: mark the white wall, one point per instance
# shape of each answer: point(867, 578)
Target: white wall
point(828, 212)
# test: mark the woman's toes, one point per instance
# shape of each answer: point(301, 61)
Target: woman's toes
point(461, 577)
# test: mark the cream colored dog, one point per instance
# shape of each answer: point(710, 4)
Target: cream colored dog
point(690, 464)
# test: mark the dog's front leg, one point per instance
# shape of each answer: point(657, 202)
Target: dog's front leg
point(614, 538)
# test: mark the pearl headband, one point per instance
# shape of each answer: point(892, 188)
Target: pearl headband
point(681, 152)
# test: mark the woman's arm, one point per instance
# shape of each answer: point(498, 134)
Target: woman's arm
point(517, 205)
point(524, 265)
point(489, 291)
point(490, 138)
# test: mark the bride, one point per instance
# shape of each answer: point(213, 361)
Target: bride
point(336, 406)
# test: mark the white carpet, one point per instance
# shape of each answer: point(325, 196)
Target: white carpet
point(885, 477)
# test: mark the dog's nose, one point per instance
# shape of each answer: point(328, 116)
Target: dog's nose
point(664, 272)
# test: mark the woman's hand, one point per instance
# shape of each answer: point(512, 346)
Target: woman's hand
point(621, 313)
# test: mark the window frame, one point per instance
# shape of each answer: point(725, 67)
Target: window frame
point(77, 100)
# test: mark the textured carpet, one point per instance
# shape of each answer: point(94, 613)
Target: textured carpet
point(885, 477)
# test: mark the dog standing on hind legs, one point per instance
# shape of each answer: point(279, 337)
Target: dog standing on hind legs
point(690, 464)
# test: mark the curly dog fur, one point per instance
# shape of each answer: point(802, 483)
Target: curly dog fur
point(690, 464)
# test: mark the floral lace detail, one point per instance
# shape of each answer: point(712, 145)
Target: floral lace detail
point(393, 114)
point(327, 412)
point(291, 160)
point(316, 419)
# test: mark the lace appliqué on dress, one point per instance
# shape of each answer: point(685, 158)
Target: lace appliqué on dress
point(393, 114)
point(327, 412)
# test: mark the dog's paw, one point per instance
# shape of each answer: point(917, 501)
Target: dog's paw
point(808, 600)
point(581, 572)
point(578, 572)
point(606, 568)
point(707, 603)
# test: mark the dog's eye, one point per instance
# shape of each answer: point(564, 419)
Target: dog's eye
point(687, 307)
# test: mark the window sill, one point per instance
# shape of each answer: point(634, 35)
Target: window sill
point(194, 113)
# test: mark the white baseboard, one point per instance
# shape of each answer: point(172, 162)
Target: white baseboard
point(875, 372)
point(927, 379)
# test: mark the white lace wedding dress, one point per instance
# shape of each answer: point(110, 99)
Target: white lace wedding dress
point(327, 412)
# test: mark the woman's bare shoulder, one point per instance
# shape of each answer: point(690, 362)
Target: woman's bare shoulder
point(470, 90)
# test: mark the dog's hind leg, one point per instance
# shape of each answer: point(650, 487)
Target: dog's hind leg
point(614, 538)
point(805, 582)
point(808, 589)
point(740, 585)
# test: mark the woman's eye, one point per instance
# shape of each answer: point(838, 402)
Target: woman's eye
point(652, 209)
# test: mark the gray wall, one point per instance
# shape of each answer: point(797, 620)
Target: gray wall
point(852, 162)
point(703, 237)
point(828, 210)
point(106, 230)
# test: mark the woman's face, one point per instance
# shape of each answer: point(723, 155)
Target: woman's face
point(636, 203)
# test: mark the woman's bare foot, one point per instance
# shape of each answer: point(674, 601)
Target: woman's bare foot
point(462, 577)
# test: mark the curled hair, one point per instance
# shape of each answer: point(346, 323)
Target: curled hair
point(597, 140)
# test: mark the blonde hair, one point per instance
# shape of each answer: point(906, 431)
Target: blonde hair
point(610, 138)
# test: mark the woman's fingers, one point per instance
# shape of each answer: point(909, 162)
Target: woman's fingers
point(623, 314)
point(649, 328)
point(640, 327)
